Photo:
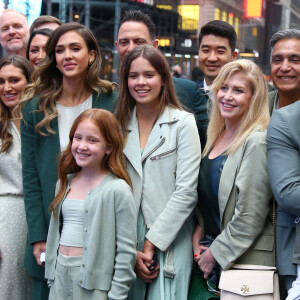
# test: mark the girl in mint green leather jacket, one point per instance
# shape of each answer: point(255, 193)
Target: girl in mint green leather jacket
point(163, 156)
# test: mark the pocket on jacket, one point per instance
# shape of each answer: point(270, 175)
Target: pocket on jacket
point(264, 242)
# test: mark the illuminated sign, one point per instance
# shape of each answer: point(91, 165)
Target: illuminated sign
point(253, 8)
point(164, 42)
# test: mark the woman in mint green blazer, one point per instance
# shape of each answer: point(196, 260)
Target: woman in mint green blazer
point(64, 85)
point(234, 193)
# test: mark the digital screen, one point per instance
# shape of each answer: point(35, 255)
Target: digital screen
point(253, 8)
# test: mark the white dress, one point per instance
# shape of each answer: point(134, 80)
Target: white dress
point(15, 283)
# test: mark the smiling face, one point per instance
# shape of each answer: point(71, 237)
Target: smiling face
point(37, 49)
point(12, 83)
point(234, 98)
point(132, 34)
point(214, 52)
point(72, 55)
point(89, 146)
point(285, 66)
point(14, 32)
point(144, 82)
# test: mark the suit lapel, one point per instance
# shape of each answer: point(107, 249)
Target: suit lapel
point(230, 170)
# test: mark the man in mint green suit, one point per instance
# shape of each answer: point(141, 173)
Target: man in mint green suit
point(137, 28)
point(283, 138)
point(284, 173)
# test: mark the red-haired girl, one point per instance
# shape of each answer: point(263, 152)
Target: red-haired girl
point(90, 251)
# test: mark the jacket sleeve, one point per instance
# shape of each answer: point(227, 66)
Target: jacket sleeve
point(284, 165)
point(184, 198)
point(37, 225)
point(126, 220)
point(253, 202)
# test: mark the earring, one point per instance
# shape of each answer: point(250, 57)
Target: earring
point(90, 61)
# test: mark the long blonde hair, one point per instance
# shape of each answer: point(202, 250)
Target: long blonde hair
point(256, 118)
point(47, 79)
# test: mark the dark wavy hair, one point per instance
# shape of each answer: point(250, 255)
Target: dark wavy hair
point(44, 31)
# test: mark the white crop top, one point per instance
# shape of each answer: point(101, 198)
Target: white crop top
point(72, 229)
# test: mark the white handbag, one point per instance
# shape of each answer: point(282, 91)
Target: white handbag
point(249, 282)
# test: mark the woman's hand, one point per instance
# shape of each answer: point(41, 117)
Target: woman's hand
point(38, 248)
point(149, 249)
point(141, 270)
point(206, 262)
point(197, 249)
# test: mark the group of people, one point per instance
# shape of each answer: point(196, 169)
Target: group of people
point(122, 186)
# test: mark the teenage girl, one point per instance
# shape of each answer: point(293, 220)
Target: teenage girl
point(91, 243)
point(163, 156)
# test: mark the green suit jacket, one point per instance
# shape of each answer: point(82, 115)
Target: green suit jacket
point(193, 100)
point(39, 167)
point(284, 171)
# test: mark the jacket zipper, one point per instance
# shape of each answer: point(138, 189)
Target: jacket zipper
point(159, 156)
point(154, 149)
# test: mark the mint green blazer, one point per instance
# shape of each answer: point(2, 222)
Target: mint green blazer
point(109, 238)
point(245, 206)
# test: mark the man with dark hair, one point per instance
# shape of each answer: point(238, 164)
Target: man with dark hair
point(137, 28)
point(217, 41)
point(45, 22)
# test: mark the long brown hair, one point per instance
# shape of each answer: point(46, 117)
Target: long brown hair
point(5, 115)
point(47, 79)
point(167, 96)
point(114, 162)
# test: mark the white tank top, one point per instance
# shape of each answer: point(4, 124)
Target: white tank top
point(72, 229)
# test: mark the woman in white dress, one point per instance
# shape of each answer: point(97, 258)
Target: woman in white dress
point(15, 283)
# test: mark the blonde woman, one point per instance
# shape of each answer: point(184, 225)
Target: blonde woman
point(234, 192)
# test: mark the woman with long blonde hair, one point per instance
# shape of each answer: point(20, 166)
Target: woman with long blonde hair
point(234, 195)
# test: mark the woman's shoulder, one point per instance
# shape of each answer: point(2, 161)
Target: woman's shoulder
point(102, 92)
point(116, 184)
point(32, 103)
point(257, 136)
point(105, 99)
point(179, 114)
